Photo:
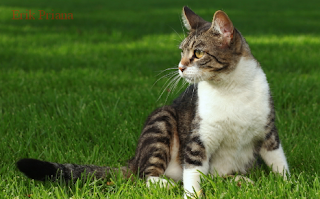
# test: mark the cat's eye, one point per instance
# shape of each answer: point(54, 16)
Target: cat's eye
point(198, 53)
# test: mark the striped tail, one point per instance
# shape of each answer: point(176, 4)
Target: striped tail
point(42, 170)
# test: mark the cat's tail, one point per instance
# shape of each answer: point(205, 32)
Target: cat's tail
point(42, 170)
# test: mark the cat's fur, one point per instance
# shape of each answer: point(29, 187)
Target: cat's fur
point(219, 125)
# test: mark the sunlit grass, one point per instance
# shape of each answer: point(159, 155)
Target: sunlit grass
point(282, 40)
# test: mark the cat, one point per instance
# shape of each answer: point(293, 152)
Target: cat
point(220, 124)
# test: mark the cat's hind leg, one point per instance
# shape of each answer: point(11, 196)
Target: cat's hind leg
point(173, 170)
point(153, 152)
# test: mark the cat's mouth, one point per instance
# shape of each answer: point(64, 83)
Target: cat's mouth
point(190, 77)
point(192, 80)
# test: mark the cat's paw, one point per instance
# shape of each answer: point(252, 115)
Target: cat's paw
point(198, 194)
point(163, 183)
point(240, 179)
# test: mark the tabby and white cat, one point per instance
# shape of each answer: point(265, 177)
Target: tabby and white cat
point(220, 125)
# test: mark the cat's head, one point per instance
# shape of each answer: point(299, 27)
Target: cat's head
point(212, 49)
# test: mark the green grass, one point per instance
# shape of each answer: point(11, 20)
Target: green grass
point(79, 90)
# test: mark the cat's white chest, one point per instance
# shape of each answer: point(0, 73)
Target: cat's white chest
point(226, 111)
point(229, 124)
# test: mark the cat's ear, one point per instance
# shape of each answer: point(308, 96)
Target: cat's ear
point(222, 23)
point(191, 20)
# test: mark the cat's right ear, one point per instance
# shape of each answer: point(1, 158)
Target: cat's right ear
point(191, 20)
point(222, 23)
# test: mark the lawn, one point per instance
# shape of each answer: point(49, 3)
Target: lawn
point(79, 90)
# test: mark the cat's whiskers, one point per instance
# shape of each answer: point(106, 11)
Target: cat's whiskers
point(172, 78)
point(172, 74)
point(175, 68)
point(174, 82)
point(166, 75)
point(188, 87)
point(167, 88)
point(182, 86)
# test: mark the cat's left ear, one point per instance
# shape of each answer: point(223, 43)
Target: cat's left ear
point(191, 20)
point(222, 23)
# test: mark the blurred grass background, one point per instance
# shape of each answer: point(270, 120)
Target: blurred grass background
point(79, 90)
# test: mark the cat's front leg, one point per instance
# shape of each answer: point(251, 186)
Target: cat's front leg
point(196, 159)
point(275, 158)
point(191, 179)
point(272, 152)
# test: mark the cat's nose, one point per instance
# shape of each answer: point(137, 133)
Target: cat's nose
point(182, 68)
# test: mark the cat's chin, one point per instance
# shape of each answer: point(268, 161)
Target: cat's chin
point(192, 80)
point(214, 81)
